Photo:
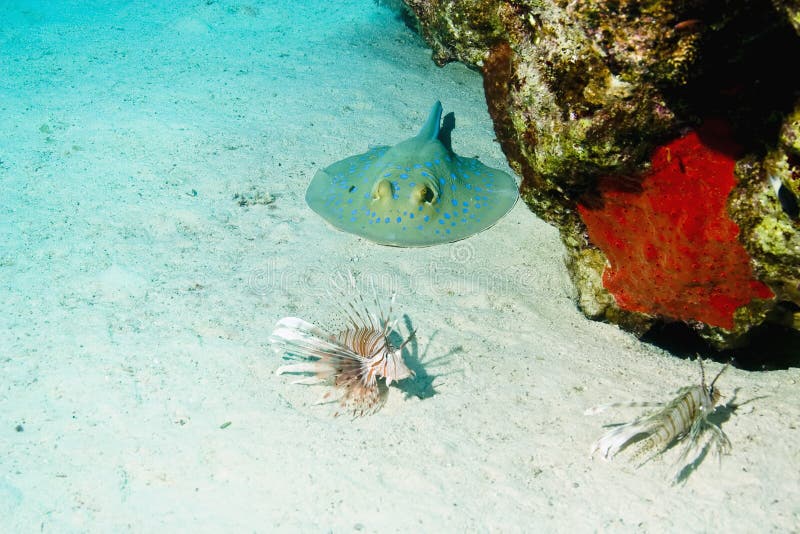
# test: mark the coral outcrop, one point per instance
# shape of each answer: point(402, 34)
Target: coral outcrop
point(657, 139)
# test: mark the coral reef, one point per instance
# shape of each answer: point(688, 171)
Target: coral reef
point(761, 204)
point(598, 106)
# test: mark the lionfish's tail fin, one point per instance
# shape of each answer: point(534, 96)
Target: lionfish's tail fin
point(619, 438)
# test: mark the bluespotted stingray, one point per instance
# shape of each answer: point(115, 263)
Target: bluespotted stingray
point(415, 194)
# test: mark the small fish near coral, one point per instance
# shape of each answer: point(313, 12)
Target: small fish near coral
point(358, 362)
point(415, 194)
point(683, 419)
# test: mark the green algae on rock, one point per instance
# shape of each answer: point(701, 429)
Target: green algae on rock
point(584, 92)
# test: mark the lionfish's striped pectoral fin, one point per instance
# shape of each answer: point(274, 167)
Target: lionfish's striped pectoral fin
point(594, 410)
point(305, 367)
point(302, 339)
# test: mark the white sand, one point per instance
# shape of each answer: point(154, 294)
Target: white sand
point(135, 313)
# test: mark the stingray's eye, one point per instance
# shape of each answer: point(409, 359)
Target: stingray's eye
point(422, 193)
point(383, 189)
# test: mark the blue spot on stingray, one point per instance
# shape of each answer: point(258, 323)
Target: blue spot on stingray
point(477, 206)
point(411, 184)
point(419, 208)
point(387, 219)
point(441, 181)
point(417, 166)
point(455, 202)
point(419, 227)
point(468, 186)
point(428, 164)
point(426, 219)
point(441, 221)
point(411, 215)
point(465, 210)
point(399, 219)
point(404, 176)
point(446, 215)
point(447, 231)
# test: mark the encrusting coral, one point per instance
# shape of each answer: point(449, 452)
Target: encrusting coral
point(592, 103)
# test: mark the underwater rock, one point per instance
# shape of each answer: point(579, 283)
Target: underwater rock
point(764, 205)
point(792, 10)
point(603, 108)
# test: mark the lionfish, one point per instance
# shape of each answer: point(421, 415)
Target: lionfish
point(355, 361)
point(684, 418)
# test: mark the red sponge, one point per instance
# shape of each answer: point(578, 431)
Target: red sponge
point(672, 246)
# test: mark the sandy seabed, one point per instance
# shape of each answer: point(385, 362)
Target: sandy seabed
point(137, 385)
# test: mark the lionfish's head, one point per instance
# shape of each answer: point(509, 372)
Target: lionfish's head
point(394, 367)
point(712, 392)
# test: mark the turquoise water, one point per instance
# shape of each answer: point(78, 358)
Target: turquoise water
point(153, 163)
